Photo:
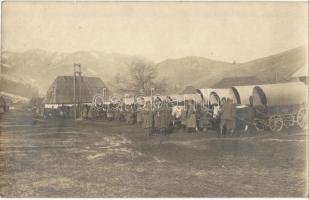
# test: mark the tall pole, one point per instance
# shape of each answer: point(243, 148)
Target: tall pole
point(208, 98)
point(74, 92)
point(80, 88)
point(151, 94)
point(79, 72)
point(103, 92)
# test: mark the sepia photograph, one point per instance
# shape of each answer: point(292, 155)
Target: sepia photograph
point(153, 99)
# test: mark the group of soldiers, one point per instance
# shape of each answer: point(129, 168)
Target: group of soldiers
point(163, 117)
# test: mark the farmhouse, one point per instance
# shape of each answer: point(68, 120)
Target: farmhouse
point(62, 90)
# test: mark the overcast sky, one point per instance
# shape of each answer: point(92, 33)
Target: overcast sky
point(221, 31)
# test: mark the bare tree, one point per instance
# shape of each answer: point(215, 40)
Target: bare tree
point(140, 79)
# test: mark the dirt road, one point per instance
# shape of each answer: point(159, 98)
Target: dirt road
point(112, 159)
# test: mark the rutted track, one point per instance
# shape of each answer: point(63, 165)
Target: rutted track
point(110, 159)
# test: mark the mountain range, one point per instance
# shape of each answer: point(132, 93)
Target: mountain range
point(201, 72)
point(40, 67)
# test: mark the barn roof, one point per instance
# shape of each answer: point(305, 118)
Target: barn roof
point(237, 81)
point(62, 90)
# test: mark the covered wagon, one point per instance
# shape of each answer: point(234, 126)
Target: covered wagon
point(142, 100)
point(243, 94)
point(215, 95)
point(176, 99)
point(212, 100)
point(129, 100)
point(192, 97)
point(161, 98)
point(280, 105)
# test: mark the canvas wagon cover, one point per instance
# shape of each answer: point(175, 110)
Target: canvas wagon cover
point(211, 93)
point(177, 97)
point(147, 99)
point(243, 93)
point(292, 93)
point(195, 97)
point(129, 100)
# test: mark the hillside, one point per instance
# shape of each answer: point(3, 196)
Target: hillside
point(279, 67)
point(201, 72)
point(41, 67)
point(190, 70)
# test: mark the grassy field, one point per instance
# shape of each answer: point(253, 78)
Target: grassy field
point(113, 159)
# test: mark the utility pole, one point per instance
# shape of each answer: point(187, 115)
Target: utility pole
point(151, 94)
point(77, 70)
point(103, 92)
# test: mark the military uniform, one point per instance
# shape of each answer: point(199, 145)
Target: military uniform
point(228, 117)
point(176, 115)
point(130, 116)
point(90, 113)
point(139, 118)
point(183, 118)
point(117, 114)
point(191, 117)
point(110, 114)
point(85, 112)
point(205, 118)
point(147, 124)
point(162, 118)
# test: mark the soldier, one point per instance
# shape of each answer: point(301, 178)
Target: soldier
point(184, 116)
point(139, 118)
point(251, 113)
point(147, 117)
point(110, 112)
point(85, 112)
point(117, 112)
point(91, 113)
point(169, 117)
point(232, 124)
point(205, 119)
point(122, 114)
point(162, 118)
point(227, 119)
point(176, 115)
point(156, 117)
point(191, 118)
point(130, 115)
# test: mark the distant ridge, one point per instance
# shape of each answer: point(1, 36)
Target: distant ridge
point(201, 72)
point(41, 67)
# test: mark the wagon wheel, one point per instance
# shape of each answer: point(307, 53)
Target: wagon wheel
point(302, 118)
point(259, 124)
point(275, 123)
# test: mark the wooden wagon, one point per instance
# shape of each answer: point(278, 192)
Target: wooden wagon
point(243, 94)
point(279, 106)
point(211, 100)
point(213, 96)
